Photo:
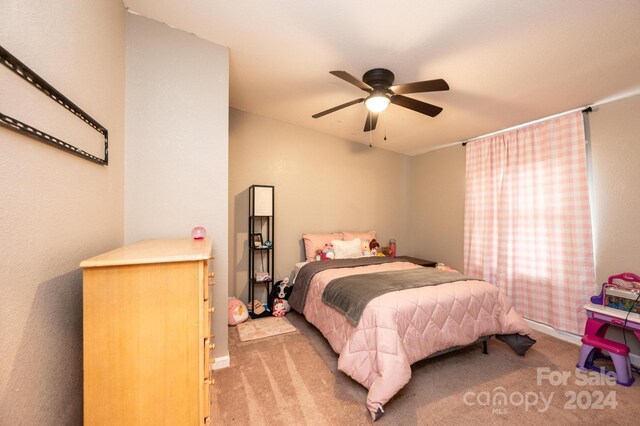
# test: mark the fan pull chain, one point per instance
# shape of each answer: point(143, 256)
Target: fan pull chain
point(370, 131)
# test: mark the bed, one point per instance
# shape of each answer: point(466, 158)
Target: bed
point(398, 327)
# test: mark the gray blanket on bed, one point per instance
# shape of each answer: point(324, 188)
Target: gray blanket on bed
point(298, 297)
point(350, 295)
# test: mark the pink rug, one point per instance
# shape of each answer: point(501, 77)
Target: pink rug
point(259, 328)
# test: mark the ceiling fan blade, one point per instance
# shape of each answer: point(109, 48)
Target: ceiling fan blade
point(372, 120)
point(418, 106)
point(336, 108)
point(420, 86)
point(351, 79)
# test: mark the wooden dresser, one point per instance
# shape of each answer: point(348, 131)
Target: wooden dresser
point(147, 334)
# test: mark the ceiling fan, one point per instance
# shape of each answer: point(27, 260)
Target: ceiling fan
point(378, 83)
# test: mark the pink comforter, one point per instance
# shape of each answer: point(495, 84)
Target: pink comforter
point(402, 327)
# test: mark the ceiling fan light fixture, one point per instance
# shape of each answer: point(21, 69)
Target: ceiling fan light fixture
point(377, 102)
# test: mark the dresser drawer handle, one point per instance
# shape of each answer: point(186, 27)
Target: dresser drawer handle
point(212, 274)
point(212, 282)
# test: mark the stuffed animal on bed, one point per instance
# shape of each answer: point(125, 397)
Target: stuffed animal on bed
point(327, 252)
point(366, 251)
point(237, 311)
point(374, 247)
point(281, 290)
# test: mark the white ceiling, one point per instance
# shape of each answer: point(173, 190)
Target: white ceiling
point(507, 62)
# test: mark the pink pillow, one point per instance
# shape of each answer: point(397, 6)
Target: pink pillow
point(237, 311)
point(364, 236)
point(312, 242)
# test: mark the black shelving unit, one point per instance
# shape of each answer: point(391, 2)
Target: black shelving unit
point(261, 258)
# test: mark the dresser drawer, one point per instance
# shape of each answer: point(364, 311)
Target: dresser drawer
point(614, 320)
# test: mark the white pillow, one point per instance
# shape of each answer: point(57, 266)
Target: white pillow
point(347, 249)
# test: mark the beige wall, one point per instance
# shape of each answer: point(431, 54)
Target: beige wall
point(615, 152)
point(322, 184)
point(177, 115)
point(56, 209)
point(437, 206)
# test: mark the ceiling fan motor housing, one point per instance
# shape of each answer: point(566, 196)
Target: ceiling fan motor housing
point(378, 78)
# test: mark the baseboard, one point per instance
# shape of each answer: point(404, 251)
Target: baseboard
point(221, 362)
point(562, 335)
point(571, 338)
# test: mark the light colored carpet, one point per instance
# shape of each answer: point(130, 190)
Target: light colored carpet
point(254, 329)
point(293, 379)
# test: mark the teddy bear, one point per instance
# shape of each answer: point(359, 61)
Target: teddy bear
point(327, 252)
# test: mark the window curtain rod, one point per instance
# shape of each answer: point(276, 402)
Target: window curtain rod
point(584, 111)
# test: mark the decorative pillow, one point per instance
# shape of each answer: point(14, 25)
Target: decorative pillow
point(313, 242)
point(348, 236)
point(347, 249)
point(237, 311)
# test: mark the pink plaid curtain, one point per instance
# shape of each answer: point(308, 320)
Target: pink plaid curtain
point(527, 219)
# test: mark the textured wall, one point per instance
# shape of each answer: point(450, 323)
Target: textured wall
point(55, 208)
point(322, 184)
point(177, 114)
point(437, 206)
point(615, 152)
